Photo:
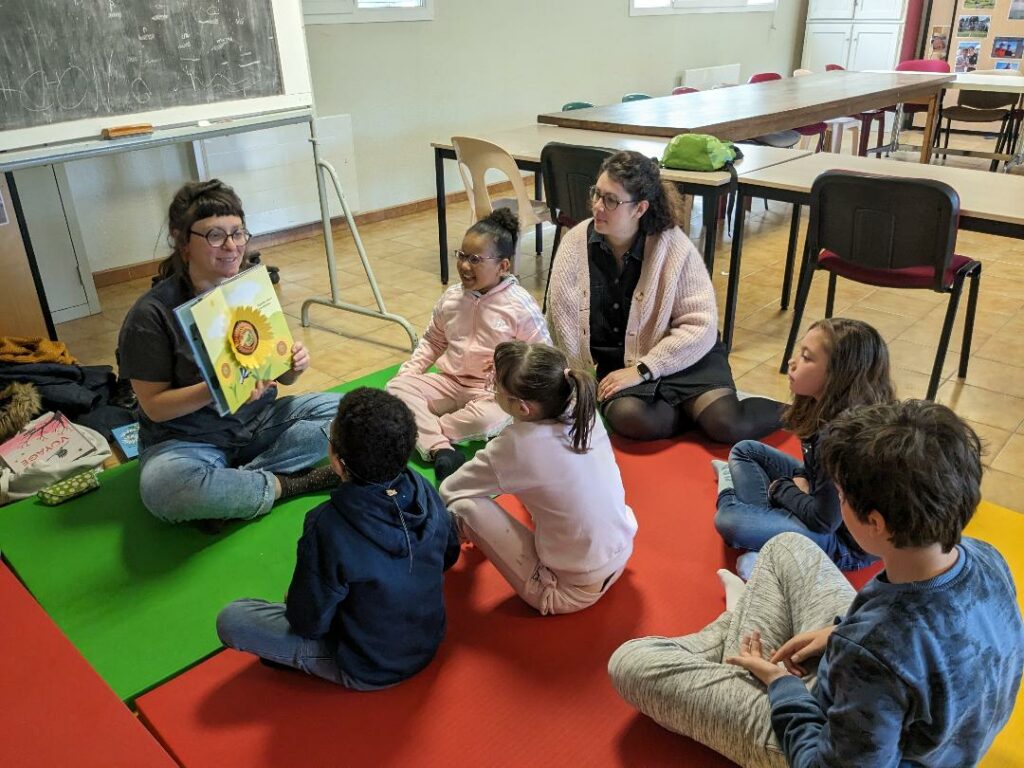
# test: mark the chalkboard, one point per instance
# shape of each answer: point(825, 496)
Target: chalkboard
point(69, 68)
point(63, 60)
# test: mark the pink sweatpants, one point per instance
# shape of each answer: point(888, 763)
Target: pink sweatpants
point(447, 412)
point(509, 545)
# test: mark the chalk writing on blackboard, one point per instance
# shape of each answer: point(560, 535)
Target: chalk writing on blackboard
point(63, 60)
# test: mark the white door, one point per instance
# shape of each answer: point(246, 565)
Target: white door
point(875, 46)
point(830, 9)
point(826, 44)
point(881, 10)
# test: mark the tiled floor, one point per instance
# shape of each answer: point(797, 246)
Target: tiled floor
point(403, 252)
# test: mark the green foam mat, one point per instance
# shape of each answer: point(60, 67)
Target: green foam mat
point(139, 597)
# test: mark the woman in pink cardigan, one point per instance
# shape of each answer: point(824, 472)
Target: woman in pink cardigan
point(630, 296)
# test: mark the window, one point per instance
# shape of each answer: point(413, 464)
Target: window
point(652, 7)
point(361, 11)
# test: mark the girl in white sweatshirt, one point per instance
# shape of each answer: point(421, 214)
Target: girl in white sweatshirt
point(557, 460)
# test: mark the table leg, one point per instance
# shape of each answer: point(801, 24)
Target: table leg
point(538, 191)
point(731, 296)
point(787, 276)
point(929, 128)
point(710, 205)
point(442, 215)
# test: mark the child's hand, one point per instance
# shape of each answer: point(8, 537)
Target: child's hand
point(806, 645)
point(752, 659)
point(616, 381)
point(802, 484)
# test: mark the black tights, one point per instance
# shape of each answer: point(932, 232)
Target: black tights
point(726, 420)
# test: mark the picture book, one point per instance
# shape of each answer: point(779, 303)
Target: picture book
point(127, 438)
point(49, 439)
point(239, 336)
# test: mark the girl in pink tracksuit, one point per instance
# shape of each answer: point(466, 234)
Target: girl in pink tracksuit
point(470, 320)
point(557, 460)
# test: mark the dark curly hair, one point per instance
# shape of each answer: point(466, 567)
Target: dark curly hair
point(915, 463)
point(194, 201)
point(373, 434)
point(640, 176)
point(502, 226)
point(857, 373)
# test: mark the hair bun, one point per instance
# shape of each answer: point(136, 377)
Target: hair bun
point(504, 218)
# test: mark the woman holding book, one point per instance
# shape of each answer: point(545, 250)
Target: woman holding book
point(196, 464)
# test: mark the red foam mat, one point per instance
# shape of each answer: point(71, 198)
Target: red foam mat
point(508, 687)
point(54, 709)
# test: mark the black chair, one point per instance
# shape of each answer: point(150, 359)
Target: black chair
point(981, 107)
point(568, 171)
point(890, 232)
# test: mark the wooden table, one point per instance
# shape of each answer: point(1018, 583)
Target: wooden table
point(745, 111)
point(989, 202)
point(525, 145)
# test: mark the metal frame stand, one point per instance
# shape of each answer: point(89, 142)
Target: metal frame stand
point(325, 168)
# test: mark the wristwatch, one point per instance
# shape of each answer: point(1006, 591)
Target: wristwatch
point(644, 371)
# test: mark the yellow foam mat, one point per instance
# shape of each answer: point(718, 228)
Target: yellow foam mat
point(1004, 529)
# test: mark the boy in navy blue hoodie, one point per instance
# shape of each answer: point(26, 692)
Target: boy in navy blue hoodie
point(365, 608)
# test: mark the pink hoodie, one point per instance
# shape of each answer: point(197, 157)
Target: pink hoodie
point(466, 327)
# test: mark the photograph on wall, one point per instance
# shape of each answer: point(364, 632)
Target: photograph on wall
point(1007, 47)
point(1016, 10)
point(967, 57)
point(939, 43)
point(1014, 65)
point(973, 26)
point(979, 5)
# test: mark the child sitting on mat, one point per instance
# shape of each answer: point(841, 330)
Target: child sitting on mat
point(365, 608)
point(454, 405)
point(557, 460)
point(923, 667)
point(762, 491)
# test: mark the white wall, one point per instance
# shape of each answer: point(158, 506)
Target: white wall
point(480, 65)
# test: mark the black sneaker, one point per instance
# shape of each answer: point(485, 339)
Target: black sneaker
point(446, 461)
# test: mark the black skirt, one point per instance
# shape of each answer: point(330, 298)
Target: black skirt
point(710, 372)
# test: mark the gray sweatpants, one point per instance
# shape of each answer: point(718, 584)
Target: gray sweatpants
point(683, 684)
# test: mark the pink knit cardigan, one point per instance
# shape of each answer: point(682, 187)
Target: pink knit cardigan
point(673, 319)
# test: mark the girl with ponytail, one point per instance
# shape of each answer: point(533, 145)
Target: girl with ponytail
point(557, 460)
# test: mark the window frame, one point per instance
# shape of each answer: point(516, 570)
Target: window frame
point(349, 12)
point(705, 6)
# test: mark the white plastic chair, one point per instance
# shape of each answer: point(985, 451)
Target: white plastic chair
point(836, 126)
point(476, 157)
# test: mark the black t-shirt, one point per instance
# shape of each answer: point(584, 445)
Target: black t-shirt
point(611, 295)
point(152, 347)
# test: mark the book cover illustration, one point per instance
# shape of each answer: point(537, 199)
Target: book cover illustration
point(127, 438)
point(240, 336)
point(50, 440)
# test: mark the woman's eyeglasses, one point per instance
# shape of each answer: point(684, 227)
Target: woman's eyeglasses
point(473, 258)
point(610, 202)
point(216, 237)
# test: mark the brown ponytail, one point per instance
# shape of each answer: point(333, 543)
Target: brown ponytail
point(539, 374)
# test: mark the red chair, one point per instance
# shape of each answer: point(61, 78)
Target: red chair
point(890, 232)
point(815, 129)
point(682, 90)
point(866, 119)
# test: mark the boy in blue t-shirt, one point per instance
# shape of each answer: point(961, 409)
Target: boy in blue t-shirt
point(921, 667)
point(365, 608)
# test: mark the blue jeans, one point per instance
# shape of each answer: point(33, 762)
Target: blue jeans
point(184, 481)
point(747, 520)
point(259, 627)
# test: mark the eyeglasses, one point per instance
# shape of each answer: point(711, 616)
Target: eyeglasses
point(610, 202)
point(216, 237)
point(473, 258)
